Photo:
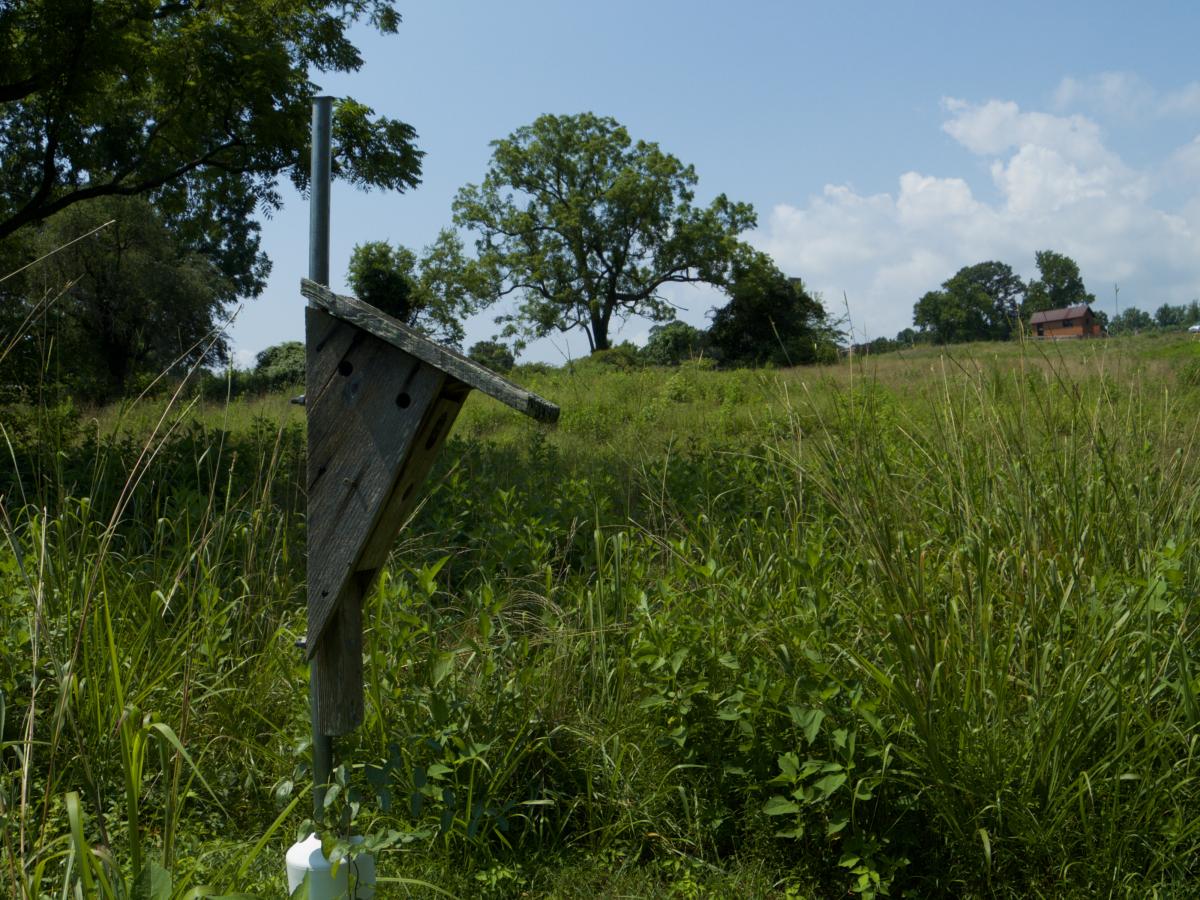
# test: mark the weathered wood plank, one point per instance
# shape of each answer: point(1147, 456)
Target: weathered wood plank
point(338, 664)
point(364, 410)
point(469, 372)
point(423, 451)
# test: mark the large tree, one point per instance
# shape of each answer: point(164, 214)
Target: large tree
point(770, 318)
point(135, 301)
point(582, 224)
point(978, 303)
point(204, 106)
point(1059, 286)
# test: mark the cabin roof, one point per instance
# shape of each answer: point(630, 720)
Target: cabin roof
point(1057, 315)
point(363, 315)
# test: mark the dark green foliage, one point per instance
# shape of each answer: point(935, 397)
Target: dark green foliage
point(434, 293)
point(980, 302)
point(673, 343)
point(770, 319)
point(282, 365)
point(1130, 320)
point(134, 302)
point(1181, 316)
point(1059, 286)
point(200, 108)
point(384, 276)
point(582, 225)
point(947, 319)
point(493, 354)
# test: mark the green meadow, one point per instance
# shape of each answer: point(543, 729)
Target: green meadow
point(920, 624)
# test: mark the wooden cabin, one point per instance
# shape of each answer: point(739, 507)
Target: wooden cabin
point(1065, 324)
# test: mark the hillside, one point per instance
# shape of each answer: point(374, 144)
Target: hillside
point(921, 622)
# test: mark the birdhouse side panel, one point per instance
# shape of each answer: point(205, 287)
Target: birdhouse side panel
point(408, 492)
point(365, 402)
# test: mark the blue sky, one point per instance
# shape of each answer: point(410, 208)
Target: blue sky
point(883, 144)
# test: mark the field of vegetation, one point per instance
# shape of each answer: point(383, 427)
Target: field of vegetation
point(918, 625)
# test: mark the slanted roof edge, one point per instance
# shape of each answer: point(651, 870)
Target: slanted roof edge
point(367, 317)
point(1053, 315)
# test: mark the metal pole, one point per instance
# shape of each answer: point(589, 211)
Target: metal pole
point(318, 215)
point(318, 271)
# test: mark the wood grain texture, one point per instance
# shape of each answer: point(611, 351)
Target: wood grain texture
point(365, 402)
point(407, 493)
point(469, 372)
point(338, 664)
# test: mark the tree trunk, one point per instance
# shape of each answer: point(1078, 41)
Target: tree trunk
point(600, 320)
point(599, 332)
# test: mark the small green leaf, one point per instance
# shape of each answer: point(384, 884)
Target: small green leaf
point(789, 765)
point(780, 806)
point(153, 883)
point(443, 664)
point(830, 783)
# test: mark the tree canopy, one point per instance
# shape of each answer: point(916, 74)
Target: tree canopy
point(1059, 286)
point(137, 302)
point(671, 343)
point(978, 303)
point(201, 106)
point(582, 224)
point(986, 301)
point(1130, 320)
point(434, 292)
point(770, 318)
point(493, 354)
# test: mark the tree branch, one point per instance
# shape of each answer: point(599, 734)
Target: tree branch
point(36, 210)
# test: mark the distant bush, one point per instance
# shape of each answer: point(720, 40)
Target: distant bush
point(281, 365)
point(493, 354)
point(527, 369)
point(620, 356)
point(674, 342)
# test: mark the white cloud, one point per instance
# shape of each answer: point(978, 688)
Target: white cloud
point(997, 126)
point(1125, 96)
point(1058, 186)
point(924, 200)
point(1182, 102)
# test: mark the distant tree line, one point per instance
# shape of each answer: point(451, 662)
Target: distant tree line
point(770, 320)
point(988, 301)
point(1167, 317)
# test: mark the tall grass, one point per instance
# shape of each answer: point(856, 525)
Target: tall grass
point(927, 630)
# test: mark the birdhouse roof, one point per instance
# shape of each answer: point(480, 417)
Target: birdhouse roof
point(363, 315)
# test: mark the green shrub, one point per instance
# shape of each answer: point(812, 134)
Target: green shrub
point(493, 354)
point(281, 366)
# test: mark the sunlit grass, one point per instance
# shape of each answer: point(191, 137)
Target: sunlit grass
point(919, 622)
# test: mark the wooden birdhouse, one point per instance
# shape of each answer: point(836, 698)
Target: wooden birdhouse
point(380, 399)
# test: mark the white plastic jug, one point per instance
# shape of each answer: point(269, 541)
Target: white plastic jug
point(305, 858)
